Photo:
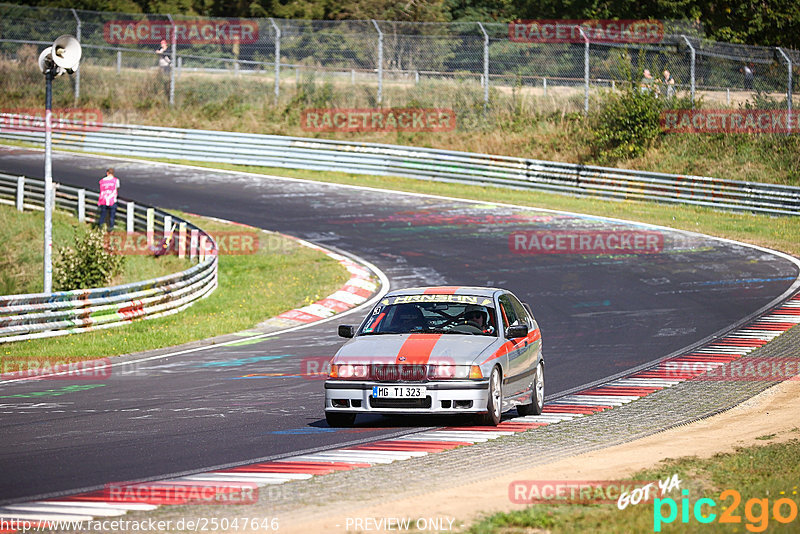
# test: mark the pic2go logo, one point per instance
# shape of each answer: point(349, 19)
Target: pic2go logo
point(756, 511)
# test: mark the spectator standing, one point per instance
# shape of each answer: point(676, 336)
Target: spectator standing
point(669, 84)
point(748, 76)
point(109, 185)
point(163, 57)
point(648, 83)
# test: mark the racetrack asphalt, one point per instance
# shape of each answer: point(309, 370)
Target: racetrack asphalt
point(600, 314)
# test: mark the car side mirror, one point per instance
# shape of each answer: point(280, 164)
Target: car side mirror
point(516, 331)
point(346, 330)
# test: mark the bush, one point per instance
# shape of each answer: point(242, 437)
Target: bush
point(89, 264)
point(627, 125)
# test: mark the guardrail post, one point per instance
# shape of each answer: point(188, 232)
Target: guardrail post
point(81, 205)
point(585, 71)
point(193, 245)
point(20, 193)
point(485, 67)
point(131, 208)
point(182, 240)
point(150, 226)
point(380, 61)
point(788, 89)
point(167, 225)
point(544, 85)
point(78, 70)
point(202, 250)
point(693, 56)
point(277, 59)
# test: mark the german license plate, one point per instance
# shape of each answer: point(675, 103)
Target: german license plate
point(398, 392)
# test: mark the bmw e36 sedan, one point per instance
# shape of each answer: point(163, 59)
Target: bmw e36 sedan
point(439, 350)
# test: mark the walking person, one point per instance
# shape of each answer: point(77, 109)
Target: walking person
point(109, 185)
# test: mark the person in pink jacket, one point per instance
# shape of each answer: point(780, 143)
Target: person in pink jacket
point(109, 185)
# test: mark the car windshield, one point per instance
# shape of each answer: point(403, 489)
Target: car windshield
point(436, 314)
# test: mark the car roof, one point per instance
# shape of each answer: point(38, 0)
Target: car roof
point(448, 290)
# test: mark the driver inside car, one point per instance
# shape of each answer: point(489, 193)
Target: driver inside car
point(478, 316)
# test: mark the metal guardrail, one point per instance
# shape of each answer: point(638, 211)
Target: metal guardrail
point(412, 162)
point(45, 315)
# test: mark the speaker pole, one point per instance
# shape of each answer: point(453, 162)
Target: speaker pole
point(48, 182)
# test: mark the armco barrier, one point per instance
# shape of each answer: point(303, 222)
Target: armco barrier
point(41, 315)
point(419, 163)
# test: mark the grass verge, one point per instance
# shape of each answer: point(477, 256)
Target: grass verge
point(765, 473)
point(21, 252)
point(281, 275)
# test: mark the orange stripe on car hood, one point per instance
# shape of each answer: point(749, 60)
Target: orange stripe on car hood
point(417, 348)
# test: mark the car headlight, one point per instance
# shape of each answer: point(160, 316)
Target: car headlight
point(447, 372)
point(349, 371)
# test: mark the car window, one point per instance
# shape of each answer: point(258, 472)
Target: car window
point(510, 315)
point(432, 313)
point(520, 311)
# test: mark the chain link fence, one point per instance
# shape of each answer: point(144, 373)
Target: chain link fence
point(216, 64)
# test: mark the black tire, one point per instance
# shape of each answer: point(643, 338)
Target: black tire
point(494, 406)
point(537, 395)
point(340, 420)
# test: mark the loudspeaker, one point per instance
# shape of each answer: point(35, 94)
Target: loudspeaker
point(44, 59)
point(67, 52)
point(63, 56)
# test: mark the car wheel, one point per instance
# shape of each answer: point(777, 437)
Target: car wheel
point(495, 404)
point(340, 420)
point(537, 394)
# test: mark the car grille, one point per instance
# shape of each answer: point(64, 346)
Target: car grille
point(399, 372)
point(399, 403)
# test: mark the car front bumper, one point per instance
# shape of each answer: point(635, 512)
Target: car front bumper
point(442, 397)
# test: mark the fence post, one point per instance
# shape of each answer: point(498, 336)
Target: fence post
point(788, 89)
point(193, 245)
point(131, 208)
point(81, 205)
point(693, 55)
point(78, 70)
point(585, 71)
point(485, 66)
point(182, 240)
point(20, 192)
point(167, 225)
point(180, 66)
point(150, 226)
point(277, 59)
point(203, 247)
point(380, 61)
point(544, 85)
point(119, 61)
point(174, 39)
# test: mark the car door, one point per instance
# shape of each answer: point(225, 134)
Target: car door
point(532, 343)
point(513, 382)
